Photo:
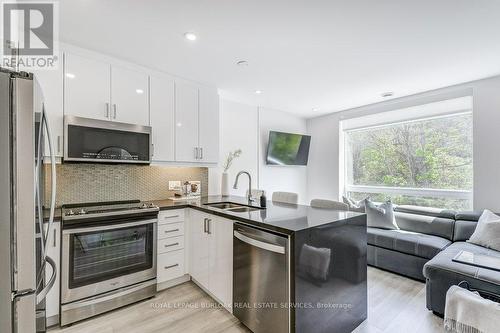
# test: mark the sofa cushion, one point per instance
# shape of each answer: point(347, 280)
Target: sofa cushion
point(443, 262)
point(417, 244)
point(425, 224)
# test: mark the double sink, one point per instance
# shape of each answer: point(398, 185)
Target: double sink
point(233, 207)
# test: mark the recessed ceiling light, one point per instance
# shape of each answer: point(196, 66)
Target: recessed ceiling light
point(315, 109)
point(190, 36)
point(139, 91)
point(387, 94)
point(70, 75)
point(242, 63)
point(258, 92)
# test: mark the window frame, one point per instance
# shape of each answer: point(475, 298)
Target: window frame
point(435, 110)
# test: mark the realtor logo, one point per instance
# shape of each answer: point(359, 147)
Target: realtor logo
point(29, 34)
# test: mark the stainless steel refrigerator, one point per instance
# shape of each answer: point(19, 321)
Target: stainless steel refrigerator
point(23, 231)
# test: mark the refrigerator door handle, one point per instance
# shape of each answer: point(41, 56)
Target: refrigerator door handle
point(52, 178)
point(43, 293)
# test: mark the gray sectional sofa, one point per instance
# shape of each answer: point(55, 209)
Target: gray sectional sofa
point(424, 247)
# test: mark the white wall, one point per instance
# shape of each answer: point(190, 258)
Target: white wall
point(323, 172)
point(281, 178)
point(247, 127)
point(239, 130)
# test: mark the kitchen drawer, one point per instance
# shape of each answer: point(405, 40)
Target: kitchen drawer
point(171, 216)
point(170, 265)
point(170, 244)
point(170, 230)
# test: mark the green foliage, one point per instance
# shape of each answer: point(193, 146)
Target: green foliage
point(434, 153)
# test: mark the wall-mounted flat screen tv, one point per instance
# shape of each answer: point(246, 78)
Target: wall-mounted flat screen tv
point(287, 148)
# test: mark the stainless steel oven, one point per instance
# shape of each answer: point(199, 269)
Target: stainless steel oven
point(108, 259)
point(93, 140)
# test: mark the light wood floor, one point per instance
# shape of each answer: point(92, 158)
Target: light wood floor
point(395, 304)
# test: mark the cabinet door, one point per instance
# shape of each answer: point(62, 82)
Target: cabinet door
point(186, 122)
point(129, 96)
point(51, 93)
point(199, 248)
point(53, 251)
point(162, 116)
point(221, 259)
point(86, 87)
point(209, 125)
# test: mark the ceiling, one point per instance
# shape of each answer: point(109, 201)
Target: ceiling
point(328, 54)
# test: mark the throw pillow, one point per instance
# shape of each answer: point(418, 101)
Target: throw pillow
point(355, 206)
point(380, 216)
point(487, 231)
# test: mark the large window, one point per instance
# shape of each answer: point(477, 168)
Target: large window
point(425, 162)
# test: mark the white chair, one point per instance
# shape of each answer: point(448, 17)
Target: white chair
point(329, 204)
point(286, 197)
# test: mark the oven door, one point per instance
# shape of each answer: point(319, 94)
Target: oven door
point(93, 140)
point(99, 259)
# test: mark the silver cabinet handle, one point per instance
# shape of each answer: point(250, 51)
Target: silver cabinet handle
point(171, 266)
point(171, 217)
point(208, 226)
point(173, 230)
point(196, 153)
point(205, 225)
point(152, 149)
point(59, 144)
point(54, 242)
point(106, 113)
point(170, 245)
point(201, 153)
point(114, 111)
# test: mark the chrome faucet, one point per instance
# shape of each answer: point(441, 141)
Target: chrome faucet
point(235, 186)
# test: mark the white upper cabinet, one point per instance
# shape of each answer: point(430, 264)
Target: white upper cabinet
point(162, 117)
point(129, 96)
point(196, 123)
point(51, 85)
point(87, 84)
point(209, 125)
point(186, 122)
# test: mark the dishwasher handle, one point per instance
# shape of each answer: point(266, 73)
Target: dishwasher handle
point(260, 244)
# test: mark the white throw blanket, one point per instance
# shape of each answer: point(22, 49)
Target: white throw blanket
point(467, 312)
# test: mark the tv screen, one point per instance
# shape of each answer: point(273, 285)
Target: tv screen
point(287, 148)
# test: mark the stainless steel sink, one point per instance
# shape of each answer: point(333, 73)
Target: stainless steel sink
point(242, 209)
point(225, 205)
point(232, 207)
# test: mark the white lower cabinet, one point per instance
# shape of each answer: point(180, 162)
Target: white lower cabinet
point(53, 251)
point(171, 256)
point(211, 254)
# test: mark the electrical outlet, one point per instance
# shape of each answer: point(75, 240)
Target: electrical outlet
point(174, 185)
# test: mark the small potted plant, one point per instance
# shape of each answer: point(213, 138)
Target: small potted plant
point(231, 156)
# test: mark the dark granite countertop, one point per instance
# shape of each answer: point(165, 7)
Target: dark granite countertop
point(279, 217)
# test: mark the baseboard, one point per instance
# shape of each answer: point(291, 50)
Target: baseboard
point(173, 282)
point(52, 321)
point(228, 308)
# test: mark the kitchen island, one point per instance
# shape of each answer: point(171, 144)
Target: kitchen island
point(326, 251)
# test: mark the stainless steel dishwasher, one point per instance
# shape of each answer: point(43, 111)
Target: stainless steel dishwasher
point(261, 286)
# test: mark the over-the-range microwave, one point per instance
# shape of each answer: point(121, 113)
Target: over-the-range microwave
point(93, 140)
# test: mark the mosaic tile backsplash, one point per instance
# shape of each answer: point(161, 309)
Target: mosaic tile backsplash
point(79, 183)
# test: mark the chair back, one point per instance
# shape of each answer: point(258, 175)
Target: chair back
point(329, 204)
point(286, 197)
